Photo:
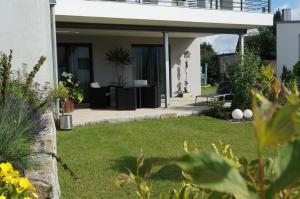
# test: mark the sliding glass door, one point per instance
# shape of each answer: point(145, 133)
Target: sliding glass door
point(76, 59)
point(149, 65)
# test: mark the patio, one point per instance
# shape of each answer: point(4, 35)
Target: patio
point(178, 107)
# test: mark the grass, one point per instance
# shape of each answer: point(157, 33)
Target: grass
point(98, 153)
point(208, 90)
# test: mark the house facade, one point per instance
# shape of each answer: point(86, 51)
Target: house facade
point(75, 35)
point(288, 45)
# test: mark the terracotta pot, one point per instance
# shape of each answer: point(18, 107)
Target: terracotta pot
point(69, 106)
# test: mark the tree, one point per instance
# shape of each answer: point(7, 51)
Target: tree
point(209, 56)
point(264, 41)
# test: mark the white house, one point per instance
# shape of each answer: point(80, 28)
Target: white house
point(76, 34)
point(288, 44)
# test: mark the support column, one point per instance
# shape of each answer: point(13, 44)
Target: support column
point(242, 44)
point(167, 69)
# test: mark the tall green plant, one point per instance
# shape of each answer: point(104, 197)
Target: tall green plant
point(121, 58)
point(5, 72)
point(245, 76)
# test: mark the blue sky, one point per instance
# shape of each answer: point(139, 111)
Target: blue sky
point(227, 43)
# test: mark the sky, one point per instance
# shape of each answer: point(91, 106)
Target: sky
point(227, 43)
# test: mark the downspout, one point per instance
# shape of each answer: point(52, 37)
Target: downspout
point(54, 51)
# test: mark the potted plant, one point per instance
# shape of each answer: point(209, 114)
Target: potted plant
point(62, 94)
point(75, 93)
point(120, 58)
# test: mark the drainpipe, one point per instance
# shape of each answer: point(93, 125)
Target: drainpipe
point(54, 52)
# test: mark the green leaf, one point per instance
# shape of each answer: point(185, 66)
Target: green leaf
point(286, 168)
point(275, 124)
point(212, 171)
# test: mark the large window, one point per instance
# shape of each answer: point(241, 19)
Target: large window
point(149, 65)
point(76, 59)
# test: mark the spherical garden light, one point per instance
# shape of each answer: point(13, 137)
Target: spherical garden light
point(248, 114)
point(237, 114)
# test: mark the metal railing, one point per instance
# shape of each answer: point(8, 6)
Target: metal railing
point(237, 5)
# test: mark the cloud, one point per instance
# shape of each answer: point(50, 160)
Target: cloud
point(222, 43)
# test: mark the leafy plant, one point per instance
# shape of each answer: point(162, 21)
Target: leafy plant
point(62, 93)
point(244, 78)
point(216, 109)
point(12, 185)
point(296, 69)
point(72, 84)
point(121, 58)
point(287, 75)
point(267, 79)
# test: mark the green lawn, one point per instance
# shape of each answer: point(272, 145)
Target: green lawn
point(208, 90)
point(98, 153)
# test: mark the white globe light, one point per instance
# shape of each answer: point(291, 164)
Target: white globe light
point(237, 114)
point(248, 114)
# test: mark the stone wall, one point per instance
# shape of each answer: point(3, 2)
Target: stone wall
point(44, 176)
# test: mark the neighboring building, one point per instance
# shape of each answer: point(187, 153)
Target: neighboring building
point(87, 29)
point(288, 43)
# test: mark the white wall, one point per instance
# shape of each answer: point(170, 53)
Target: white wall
point(104, 72)
point(26, 29)
point(288, 45)
point(126, 13)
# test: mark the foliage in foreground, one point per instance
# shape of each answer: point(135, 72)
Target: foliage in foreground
point(21, 109)
point(222, 175)
point(13, 186)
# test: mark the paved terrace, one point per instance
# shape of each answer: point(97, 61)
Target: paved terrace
point(178, 107)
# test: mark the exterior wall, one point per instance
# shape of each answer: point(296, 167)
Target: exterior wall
point(104, 72)
point(26, 29)
point(288, 45)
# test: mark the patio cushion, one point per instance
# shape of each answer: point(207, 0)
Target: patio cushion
point(95, 85)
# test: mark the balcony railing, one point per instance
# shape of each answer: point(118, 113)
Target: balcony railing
point(237, 5)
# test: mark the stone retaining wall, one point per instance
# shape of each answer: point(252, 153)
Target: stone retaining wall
point(45, 176)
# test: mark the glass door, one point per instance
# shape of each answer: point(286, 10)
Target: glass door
point(76, 59)
point(149, 65)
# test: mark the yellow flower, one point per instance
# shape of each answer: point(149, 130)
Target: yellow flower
point(6, 167)
point(25, 184)
point(10, 180)
point(27, 198)
point(2, 197)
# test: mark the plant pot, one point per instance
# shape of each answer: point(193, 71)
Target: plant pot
point(69, 106)
point(65, 122)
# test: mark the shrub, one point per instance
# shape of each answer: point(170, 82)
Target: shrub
point(296, 69)
point(267, 79)
point(69, 81)
point(287, 75)
point(216, 109)
point(245, 76)
point(21, 112)
point(12, 185)
point(19, 128)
